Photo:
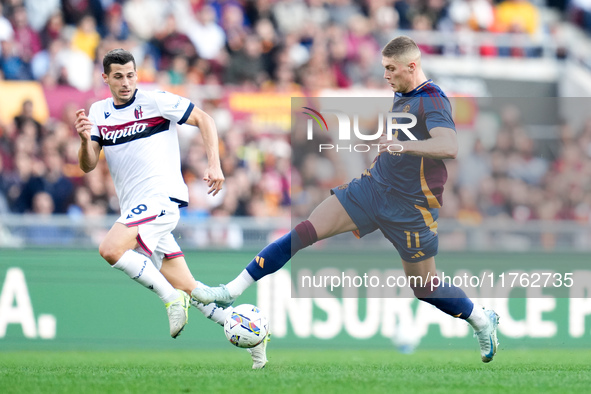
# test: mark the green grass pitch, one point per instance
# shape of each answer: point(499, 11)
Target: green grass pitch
point(295, 371)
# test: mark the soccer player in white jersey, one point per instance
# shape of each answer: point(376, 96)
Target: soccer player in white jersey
point(137, 131)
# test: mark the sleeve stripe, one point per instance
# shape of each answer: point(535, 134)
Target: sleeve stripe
point(174, 255)
point(187, 113)
point(97, 139)
point(435, 98)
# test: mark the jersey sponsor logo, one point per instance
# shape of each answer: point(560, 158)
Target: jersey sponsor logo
point(107, 114)
point(126, 132)
point(138, 113)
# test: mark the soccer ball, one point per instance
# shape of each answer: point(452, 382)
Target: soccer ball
point(246, 326)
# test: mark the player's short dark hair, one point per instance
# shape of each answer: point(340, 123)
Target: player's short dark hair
point(401, 47)
point(117, 56)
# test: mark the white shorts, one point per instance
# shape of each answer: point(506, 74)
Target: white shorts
point(155, 218)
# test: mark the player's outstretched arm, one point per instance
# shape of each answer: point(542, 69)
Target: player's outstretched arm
point(89, 151)
point(213, 174)
point(443, 144)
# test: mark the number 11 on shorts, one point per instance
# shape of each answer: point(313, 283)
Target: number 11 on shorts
point(409, 239)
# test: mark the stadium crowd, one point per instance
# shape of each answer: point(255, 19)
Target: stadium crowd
point(261, 45)
point(237, 42)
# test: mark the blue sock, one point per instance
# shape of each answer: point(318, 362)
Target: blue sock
point(277, 253)
point(271, 258)
point(448, 298)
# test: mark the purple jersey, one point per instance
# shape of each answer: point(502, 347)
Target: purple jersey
point(416, 178)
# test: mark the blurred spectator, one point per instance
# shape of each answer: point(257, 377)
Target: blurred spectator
point(232, 21)
point(477, 15)
point(6, 31)
point(246, 66)
point(517, 16)
point(86, 39)
point(318, 14)
point(115, 25)
point(342, 10)
point(46, 232)
point(52, 29)
point(26, 116)
point(270, 44)
point(46, 67)
point(524, 165)
point(358, 37)
point(177, 72)
point(42, 204)
point(474, 167)
point(170, 43)
point(386, 20)
point(206, 35)
point(15, 181)
point(74, 67)
point(580, 13)
point(12, 65)
point(469, 212)
point(26, 40)
point(144, 17)
point(146, 69)
point(255, 10)
point(40, 11)
point(290, 15)
point(83, 205)
point(367, 71)
point(52, 181)
point(75, 10)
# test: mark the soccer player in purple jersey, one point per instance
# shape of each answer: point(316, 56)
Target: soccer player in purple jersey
point(408, 184)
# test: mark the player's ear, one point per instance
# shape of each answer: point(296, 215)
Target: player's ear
point(412, 66)
point(104, 77)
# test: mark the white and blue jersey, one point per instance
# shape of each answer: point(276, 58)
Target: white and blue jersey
point(141, 144)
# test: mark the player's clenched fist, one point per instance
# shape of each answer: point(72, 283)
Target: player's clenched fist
point(83, 125)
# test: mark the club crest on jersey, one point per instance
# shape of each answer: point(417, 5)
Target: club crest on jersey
point(138, 112)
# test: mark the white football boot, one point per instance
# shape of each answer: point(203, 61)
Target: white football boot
point(259, 353)
point(487, 337)
point(218, 295)
point(178, 313)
